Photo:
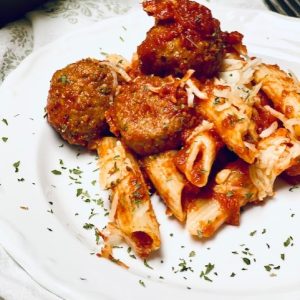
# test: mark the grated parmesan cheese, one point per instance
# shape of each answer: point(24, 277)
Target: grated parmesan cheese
point(195, 90)
point(117, 69)
point(190, 97)
point(204, 126)
point(268, 131)
point(223, 106)
point(289, 124)
point(186, 77)
point(250, 146)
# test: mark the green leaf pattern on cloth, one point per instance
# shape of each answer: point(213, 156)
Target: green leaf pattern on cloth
point(17, 40)
point(93, 9)
point(16, 43)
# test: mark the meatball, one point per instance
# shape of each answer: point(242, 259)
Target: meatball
point(185, 36)
point(149, 114)
point(78, 98)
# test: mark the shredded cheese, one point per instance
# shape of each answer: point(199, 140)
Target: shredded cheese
point(275, 113)
point(268, 131)
point(230, 64)
point(117, 69)
point(289, 124)
point(222, 93)
point(186, 77)
point(250, 146)
point(222, 176)
point(195, 90)
point(190, 97)
point(223, 106)
point(154, 89)
point(204, 126)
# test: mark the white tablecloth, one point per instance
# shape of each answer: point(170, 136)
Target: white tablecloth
point(19, 39)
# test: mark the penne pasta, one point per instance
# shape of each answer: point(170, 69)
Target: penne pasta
point(231, 190)
point(131, 216)
point(168, 181)
point(229, 106)
point(277, 153)
point(283, 90)
point(196, 158)
point(230, 124)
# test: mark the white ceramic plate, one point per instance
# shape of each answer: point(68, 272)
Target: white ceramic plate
point(42, 214)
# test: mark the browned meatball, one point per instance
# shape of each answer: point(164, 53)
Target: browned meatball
point(78, 98)
point(149, 113)
point(185, 36)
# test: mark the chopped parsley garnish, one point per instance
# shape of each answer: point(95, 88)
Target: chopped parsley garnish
point(76, 171)
point(114, 169)
point(204, 274)
point(4, 139)
point(268, 268)
point(5, 122)
point(271, 267)
point(288, 242)
point(147, 265)
point(56, 172)
point(183, 266)
point(248, 196)
point(16, 165)
point(192, 254)
point(253, 233)
point(24, 207)
point(229, 194)
point(92, 213)
point(246, 260)
point(142, 283)
point(64, 79)
point(217, 101)
point(78, 192)
point(88, 226)
point(97, 235)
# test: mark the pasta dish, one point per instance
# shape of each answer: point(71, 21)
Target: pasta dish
point(192, 117)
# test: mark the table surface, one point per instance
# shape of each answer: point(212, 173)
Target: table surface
point(22, 37)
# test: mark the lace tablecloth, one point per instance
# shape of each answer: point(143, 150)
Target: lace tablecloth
point(18, 40)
